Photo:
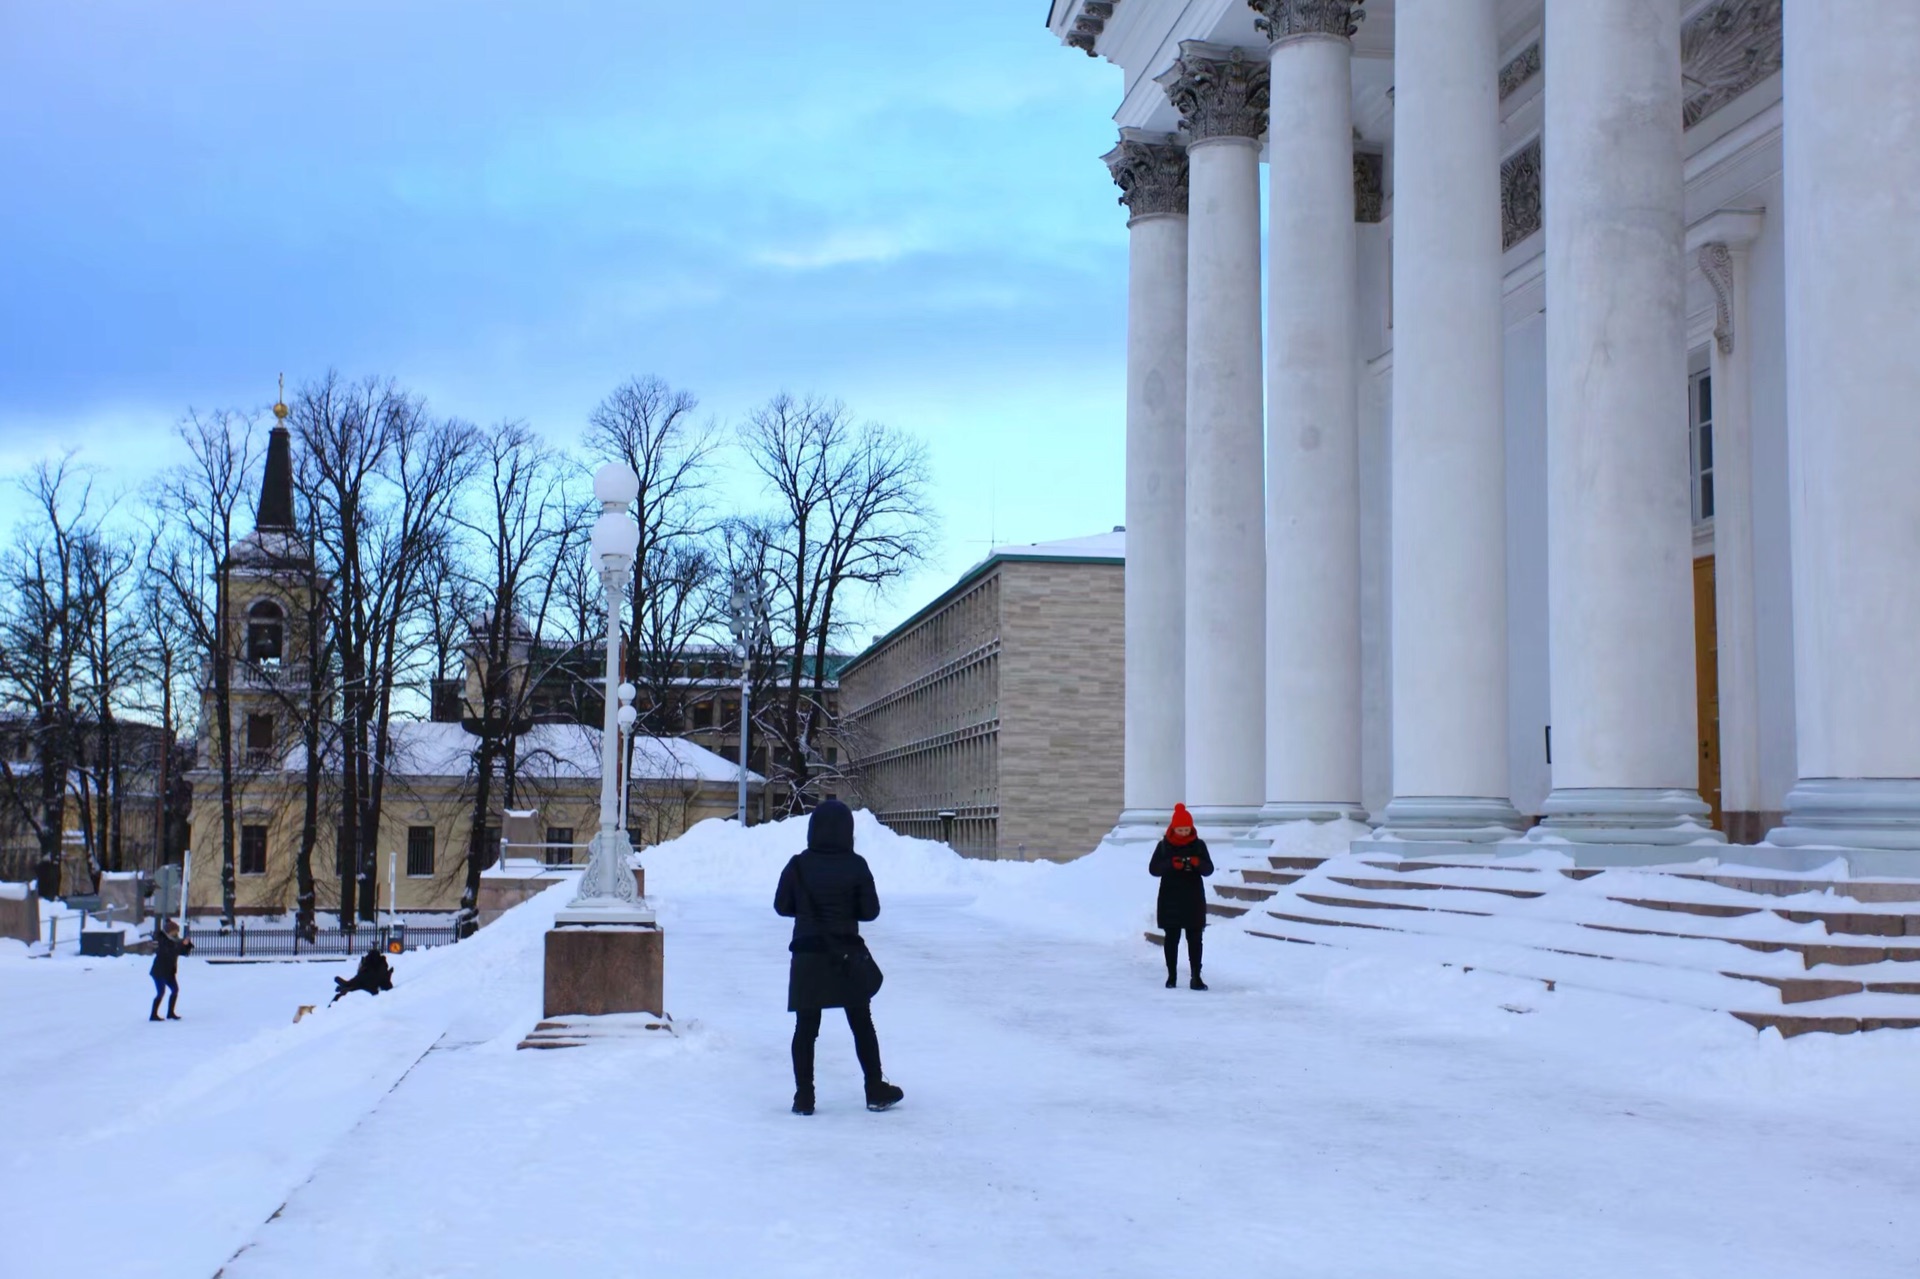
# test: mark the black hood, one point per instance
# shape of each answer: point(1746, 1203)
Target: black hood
point(830, 829)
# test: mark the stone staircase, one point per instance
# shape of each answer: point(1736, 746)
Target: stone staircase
point(1796, 953)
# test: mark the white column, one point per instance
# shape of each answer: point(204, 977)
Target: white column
point(1719, 246)
point(1852, 182)
point(1449, 634)
point(1221, 94)
point(1313, 429)
point(1620, 536)
point(1151, 171)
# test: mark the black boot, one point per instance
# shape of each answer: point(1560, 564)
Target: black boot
point(1173, 979)
point(1195, 984)
point(882, 1095)
point(803, 1102)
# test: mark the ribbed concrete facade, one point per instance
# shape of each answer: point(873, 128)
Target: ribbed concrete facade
point(1000, 704)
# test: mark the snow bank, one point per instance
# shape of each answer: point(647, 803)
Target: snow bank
point(14, 892)
point(1106, 894)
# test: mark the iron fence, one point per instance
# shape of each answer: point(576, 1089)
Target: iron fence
point(241, 942)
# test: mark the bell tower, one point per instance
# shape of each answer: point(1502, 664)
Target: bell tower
point(273, 596)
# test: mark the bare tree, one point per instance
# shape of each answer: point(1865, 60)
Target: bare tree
point(202, 504)
point(43, 627)
point(519, 525)
point(851, 512)
point(384, 477)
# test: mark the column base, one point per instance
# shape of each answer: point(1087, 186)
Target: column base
point(605, 969)
point(1873, 822)
point(1140, 826)
point(1279, 812)
point(1449, 819)
point(1224, 821)
point(1646, 816)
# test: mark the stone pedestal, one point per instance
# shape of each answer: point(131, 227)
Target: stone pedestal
point(595, 969)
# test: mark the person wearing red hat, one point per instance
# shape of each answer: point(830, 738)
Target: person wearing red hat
point(1181, 863)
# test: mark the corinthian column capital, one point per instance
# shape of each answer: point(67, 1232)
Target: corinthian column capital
point(1283, 19)
point(1151, 171)
point(1218, 90)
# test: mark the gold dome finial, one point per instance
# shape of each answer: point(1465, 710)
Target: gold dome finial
point(280, 405)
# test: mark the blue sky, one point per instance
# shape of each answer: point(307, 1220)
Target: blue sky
point(511, 207)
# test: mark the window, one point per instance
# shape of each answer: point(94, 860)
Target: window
point(253, 850)
point(265, 632)
point(419, 851)
point(490, 846)
point(1700, 412)
point(703, 714)
point(260, 733)
point(559, 845)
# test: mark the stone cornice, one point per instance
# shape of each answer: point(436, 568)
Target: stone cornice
point(1726, 49)
point(1151, 171)
point(1219, 90)
point(1088, 25)
point(1285, 19)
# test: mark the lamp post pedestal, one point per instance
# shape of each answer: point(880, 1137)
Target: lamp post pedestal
point(605, 953)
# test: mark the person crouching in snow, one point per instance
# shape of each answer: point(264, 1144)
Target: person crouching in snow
point(828, 892)
point(168, 946)
point(374, 975)
point(1181, 862)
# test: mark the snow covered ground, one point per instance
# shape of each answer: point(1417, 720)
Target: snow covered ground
point(1315, 1114)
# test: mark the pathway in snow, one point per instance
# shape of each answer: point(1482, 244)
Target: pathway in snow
point(1066, 1115)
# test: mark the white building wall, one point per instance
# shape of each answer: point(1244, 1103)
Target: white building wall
point(1528, 712)
point(1773, 562)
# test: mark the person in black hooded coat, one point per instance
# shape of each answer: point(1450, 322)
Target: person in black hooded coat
point(828, 892)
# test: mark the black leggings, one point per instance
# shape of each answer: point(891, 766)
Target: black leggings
point(164, 986)
point(1173, 949)
point(866, 1044)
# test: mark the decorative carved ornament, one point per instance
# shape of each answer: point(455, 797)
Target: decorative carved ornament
point(1369, 186)
point(1152, 176)
point(1283, 19)
point(1520, 68)
point(1219, 93)
point(1725, 50)
point(1088, 26)
point(1716, 263)
point(1520, 194)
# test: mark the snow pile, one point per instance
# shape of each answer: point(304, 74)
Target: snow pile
point(14, 892)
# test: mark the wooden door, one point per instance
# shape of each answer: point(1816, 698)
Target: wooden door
point(1706, 664)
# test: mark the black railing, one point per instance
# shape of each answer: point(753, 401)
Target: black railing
point(241, 942)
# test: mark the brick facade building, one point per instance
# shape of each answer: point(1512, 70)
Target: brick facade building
point(993, 716)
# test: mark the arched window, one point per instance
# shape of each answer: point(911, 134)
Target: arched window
point(266, 631)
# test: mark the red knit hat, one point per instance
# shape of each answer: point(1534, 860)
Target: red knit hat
point(1181, 817)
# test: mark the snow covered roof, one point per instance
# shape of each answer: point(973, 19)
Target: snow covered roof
point(1100, 546)
point(549, 750)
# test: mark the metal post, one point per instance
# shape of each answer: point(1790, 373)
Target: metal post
point(186, 886)
point(393, 881)
point(746, 718)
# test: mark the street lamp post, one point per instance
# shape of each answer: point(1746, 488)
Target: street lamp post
point(607, 893)
point(744, 609)
point(627, 717)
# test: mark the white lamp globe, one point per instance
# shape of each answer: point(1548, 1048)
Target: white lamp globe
point(615, 536)
point(627, 716)
point(615, 483)
point(626, 692)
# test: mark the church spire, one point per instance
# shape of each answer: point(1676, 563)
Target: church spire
point(276, 488)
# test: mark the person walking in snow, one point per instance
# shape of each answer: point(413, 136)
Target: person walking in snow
point(1181, 863)
point(828, 892)
point(168, 946)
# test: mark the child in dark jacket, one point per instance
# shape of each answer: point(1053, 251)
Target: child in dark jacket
point(168, 946)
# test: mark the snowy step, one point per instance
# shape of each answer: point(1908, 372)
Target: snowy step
point(1272, 876)
point(1245, 892)
point(1224, 911)
point(581, 1031)
point(1296, 863)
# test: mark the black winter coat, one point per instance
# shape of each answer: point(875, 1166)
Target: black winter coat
point(826, 893)
point(1183, 895)
point(167, 950)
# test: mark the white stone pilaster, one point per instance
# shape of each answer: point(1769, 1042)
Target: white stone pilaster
point(1852, 201)
point(1313, 447)
point(1449, 632)
point(1221, 95)
point(1151, 171)
point(1719, 246)
point(1620, 591)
